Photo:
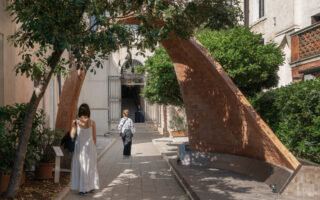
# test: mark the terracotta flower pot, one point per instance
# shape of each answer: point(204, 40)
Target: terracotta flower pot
point(44, 171)
point(179, 133)
point(5, 178)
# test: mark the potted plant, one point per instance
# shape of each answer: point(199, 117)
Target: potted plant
point(48, 138)
point(11, 118)
point(179, 126)
point(6, 156)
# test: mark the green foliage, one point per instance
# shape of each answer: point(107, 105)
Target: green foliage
point(161, 84)
point(47, 139)
point(251, 65)
point(41, 139)
point(293, 113)
point(54, 26)
point(10, 125)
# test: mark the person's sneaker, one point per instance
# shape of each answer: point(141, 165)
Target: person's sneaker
point(91, 191)
point(83, 193)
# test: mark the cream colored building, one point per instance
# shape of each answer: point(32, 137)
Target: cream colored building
point(114, 88)
point(277, 21)
point(16, 88)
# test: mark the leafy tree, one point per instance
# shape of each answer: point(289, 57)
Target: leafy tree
point(49, 28)
point(161, 83)
point(250, 64)
point(293, 114)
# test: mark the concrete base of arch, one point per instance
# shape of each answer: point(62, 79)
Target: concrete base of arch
point(220, 119)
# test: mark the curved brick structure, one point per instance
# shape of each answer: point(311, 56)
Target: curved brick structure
point(68, 101)
point(220, 118)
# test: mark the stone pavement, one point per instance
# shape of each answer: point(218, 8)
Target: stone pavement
point(211, 183)
point(145, 175)
point(102, 143)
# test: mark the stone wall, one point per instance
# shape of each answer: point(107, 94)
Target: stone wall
point(305, 184)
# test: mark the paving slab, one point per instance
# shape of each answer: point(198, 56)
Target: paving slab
point(143, 176)
point(211, 183)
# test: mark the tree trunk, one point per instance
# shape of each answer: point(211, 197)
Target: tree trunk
point(165, 123)
point(27, 125)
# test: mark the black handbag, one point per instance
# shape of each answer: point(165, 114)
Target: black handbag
point(67, 142)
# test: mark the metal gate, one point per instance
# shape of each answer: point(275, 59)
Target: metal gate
point(114, 96)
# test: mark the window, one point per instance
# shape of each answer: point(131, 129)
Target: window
point(1, 70)
point(315, 19)
point(256, 10)
point(261, 8)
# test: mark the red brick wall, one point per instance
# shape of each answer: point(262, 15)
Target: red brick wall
point(220, 118)
point(295, 48)
point(295, 70)
point(309, 43)
point(305, 44)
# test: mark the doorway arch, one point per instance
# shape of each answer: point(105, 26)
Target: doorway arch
point(131, 86)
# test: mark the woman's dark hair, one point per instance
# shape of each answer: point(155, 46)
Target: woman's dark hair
point(84, 110)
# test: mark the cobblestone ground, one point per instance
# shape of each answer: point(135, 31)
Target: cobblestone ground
point(145, 175)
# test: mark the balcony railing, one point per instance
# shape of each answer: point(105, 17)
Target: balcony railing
point(305, 43)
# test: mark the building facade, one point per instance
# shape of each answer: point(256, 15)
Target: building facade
point(116, 87)
point(15, 88)
point(293, 25)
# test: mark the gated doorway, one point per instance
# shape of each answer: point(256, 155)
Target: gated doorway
point(131, 86)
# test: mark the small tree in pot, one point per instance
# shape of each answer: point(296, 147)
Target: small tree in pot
point(47, 139)
point(179, 126)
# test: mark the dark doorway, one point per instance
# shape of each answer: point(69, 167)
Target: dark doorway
point(130, 99)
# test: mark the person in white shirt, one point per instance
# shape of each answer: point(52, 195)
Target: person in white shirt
point(126, 129)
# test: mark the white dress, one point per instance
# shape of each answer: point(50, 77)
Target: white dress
point(84, 173)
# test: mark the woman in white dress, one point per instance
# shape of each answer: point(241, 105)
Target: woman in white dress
point(84, 174)
point(126, 129)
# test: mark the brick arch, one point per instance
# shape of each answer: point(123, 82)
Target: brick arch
point(220, 118)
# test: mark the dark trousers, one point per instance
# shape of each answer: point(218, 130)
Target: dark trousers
point(127, 146)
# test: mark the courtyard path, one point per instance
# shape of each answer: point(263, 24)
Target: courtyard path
point(145, 175)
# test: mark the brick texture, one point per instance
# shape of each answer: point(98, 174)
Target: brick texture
point(220, 119)
point(309, 43)
point(305, 44)
point(295, 48)
point(67, 108)
point(295, 71)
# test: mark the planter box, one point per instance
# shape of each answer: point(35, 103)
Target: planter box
point(44, 171)
point(179, 133)
point(5, 178)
